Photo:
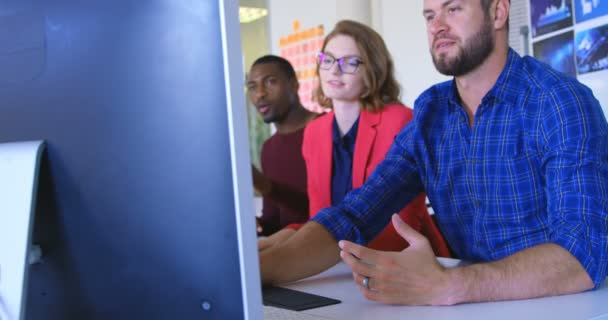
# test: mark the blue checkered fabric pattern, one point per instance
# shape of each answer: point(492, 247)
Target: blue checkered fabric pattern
point(532, 169)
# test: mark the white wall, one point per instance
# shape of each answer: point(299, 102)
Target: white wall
point(518, 19)
point(255, 41)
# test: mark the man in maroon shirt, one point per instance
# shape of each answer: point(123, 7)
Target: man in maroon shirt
point(272, 86)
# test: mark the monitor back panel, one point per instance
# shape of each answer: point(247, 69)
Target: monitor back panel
point(135, 216)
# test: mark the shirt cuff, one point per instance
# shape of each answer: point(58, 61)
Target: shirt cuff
point(340, 228)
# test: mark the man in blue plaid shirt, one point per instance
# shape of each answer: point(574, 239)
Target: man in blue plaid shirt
point(514, 158)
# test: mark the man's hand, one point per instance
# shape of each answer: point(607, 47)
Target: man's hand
point(258, 226)
point(304, 253)
point(262, 184)
point(278, 237)
point(411, 277)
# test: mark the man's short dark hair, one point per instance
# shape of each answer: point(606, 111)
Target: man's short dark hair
point(282, 63)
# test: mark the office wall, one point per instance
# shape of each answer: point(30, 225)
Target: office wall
point(255, 40)
point(309, 13)
point(519, 30)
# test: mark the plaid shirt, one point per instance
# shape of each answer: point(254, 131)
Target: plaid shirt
point(533, 169)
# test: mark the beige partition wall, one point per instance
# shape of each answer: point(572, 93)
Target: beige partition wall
point(358, 10)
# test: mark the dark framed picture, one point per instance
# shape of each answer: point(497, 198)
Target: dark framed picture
point(558, 52)
point(590, 9)
point(550, 15)
point(592, 49)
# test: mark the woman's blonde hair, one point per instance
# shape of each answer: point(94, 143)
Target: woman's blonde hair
point(378, 68)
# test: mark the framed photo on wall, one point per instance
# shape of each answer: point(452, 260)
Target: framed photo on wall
point(550, 15)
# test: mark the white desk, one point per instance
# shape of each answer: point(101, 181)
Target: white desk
point(337, 283)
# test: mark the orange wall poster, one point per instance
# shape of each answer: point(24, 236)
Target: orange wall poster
point(300, 48)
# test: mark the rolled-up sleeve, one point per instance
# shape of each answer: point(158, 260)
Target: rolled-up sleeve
point(575, 136)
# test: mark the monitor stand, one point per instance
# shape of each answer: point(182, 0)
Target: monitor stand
point(19, 166)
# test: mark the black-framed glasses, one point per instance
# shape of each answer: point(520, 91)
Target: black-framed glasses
point(348, 64)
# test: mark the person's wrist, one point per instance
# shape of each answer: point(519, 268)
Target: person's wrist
point(258, 226)
point(452, 288)
point(265, 268)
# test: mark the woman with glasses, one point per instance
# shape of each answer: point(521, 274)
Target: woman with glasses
point(342, 148)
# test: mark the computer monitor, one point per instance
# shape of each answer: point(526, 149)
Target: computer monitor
point(145, 206)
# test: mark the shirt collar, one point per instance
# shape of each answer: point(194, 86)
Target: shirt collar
point(349, 137)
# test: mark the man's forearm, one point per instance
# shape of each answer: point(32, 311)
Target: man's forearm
point(543, 270)
point(309, 251)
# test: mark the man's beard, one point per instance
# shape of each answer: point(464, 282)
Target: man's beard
point(473, 53)
point(276, 117)
point(280, 116)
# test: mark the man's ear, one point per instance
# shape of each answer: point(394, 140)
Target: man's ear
point(295, 84)
point(501, 14)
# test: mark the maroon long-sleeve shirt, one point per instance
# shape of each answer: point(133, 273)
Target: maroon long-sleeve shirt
point(283, 164)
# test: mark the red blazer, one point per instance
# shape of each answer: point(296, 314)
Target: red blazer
point(375, 135)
